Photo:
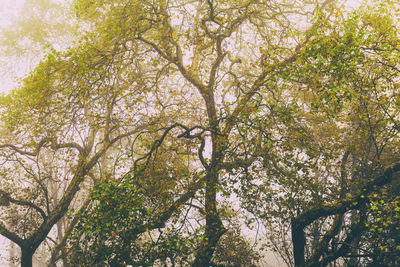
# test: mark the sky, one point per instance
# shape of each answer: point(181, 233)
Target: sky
point(17, 66)
point(8, 10)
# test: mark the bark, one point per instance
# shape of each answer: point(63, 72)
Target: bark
point(299, 242)
point(26, 256)
point(214, 226)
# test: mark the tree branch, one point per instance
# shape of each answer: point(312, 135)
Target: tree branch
point(69, 145)
point(352, 203)
point(355, 232)
point(6, 197)
point(28, 153)
point(163, 217)
point(11, 236)
point(356, 202)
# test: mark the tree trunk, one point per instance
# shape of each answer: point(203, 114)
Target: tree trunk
point(214, 226)
point(213, 232)
point(299, 241)
point(26, 257)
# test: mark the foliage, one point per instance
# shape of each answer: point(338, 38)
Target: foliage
point(118, 226)
point(173, 127)
point(383, 231)
point(234, 250)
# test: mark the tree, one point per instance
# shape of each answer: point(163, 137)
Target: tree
point(209, 59)
point(166, 112)
point(350, 116)
point(54, 135)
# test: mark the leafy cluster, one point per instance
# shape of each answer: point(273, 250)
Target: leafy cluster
point(197, 133)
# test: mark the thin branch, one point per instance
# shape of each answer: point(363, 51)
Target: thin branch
point(28, 153)
point(69, 145)
point(242, 103)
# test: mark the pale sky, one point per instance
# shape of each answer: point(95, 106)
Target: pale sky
point(8, 10)
point(16, 67)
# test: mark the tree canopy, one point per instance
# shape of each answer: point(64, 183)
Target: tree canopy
point(201, 133)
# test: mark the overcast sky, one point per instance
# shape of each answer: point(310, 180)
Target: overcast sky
point(8, 10)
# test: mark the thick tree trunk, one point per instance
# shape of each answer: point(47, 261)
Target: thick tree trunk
point(299, 241)
point(26, 257)
point(213, 232)
point(214, 226)
point(353, 261)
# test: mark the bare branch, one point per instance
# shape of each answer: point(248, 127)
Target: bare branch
point(28, 153)
point(6, 196)
point(10, 235)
